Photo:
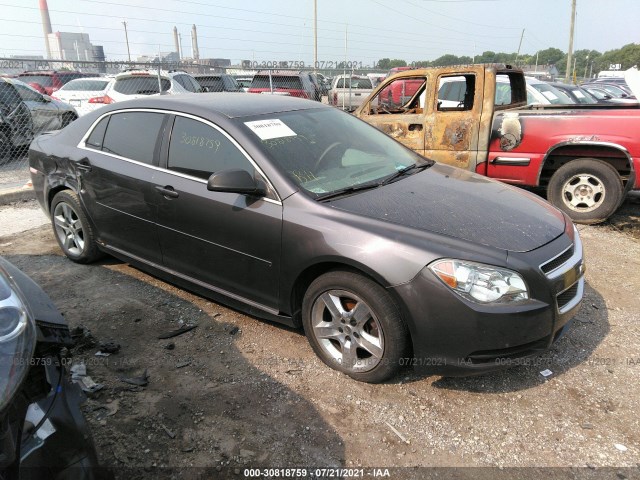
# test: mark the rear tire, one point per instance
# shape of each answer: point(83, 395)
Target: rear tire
point(72, 229)
point(587, 189)
point(354, 326)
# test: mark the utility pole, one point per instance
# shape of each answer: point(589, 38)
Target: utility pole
point(315, 35)
point(570, 53)
point(519, 45)
point(126, 36)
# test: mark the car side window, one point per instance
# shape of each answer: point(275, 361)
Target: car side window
point(456, 92)
point(199, 150)
point(133, 135)
point(402, 95)
point(95, 139)
point(27, 94)
point(185, 81)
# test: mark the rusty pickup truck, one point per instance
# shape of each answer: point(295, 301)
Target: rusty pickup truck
point(476, 117)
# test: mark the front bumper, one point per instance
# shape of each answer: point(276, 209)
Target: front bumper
point(456, 337)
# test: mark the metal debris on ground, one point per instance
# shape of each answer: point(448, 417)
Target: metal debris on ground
point(234, 330)
point(79, 376)
point(400, 436)
point(175, 333)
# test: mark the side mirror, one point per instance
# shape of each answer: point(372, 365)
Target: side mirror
point(236, 180)
point(46, 99)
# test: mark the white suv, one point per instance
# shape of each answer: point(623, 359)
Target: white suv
point(141, 83)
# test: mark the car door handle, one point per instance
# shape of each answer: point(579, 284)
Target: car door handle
point(84, 166)
point(167, 191)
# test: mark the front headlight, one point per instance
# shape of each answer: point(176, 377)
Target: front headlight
point(17, 340)
point(481, 283)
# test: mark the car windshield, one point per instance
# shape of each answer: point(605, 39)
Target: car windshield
point(326, 150)
point(44, 80)
point(85, 85)
point(139, 85)
point(581, 96)
point(552, 94)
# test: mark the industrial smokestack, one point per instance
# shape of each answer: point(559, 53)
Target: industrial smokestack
point(176, 41)
point(194, 44)
point(46, 24)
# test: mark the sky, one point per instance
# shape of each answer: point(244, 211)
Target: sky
point(361, 31)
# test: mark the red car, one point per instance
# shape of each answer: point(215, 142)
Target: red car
point(399, 93)
point(48, 81)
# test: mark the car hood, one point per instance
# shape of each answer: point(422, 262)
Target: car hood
point(454, 202)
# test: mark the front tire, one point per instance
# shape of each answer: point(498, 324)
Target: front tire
point(354, 326)
point(72, 228)
point(588, 190)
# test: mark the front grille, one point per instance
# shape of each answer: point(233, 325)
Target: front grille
point(565, 297)
point(552, 264)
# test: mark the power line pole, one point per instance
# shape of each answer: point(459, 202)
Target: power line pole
point(126, 36)
point(519, 45)
point(570, 53)
point(315, 34)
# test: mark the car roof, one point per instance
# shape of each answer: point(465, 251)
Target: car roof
point(230, 105)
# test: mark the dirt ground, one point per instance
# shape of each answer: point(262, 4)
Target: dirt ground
point(237, 392)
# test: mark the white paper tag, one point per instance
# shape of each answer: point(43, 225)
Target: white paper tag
point(272, 128)
point(550, 95)
point(546, 373)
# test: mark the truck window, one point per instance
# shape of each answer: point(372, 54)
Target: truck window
point(505, 96)
point(402, 95)
point(456, 92)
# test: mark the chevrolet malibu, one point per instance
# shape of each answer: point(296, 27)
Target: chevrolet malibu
point(299, 213)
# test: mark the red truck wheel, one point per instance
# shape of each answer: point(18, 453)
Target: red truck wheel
point(586, 189)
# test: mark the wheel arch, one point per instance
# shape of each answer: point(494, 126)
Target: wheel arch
point(612, 153)
point(306, 276)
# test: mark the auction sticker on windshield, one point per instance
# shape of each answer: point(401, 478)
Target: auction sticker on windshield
point(272, 128)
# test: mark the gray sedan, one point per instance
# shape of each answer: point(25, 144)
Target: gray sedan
point(300, 213)
point(25, 113)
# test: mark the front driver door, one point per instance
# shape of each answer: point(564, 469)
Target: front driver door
point(229, 241)
point(398, 111)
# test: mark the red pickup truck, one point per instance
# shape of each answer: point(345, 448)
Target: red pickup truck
point(585, 156)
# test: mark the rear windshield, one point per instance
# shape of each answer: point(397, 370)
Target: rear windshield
point(140, 85)
point(44, 80)
point(357, 83)
point(86, 85)
point(67, 77)
point(289, 82)
point(214, 84)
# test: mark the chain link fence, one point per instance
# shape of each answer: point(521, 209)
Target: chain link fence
point(37, 96)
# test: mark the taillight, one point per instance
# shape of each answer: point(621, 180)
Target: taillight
point(106, 99)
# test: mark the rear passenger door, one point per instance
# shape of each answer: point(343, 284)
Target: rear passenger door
point(229, 241)
point(116, 181)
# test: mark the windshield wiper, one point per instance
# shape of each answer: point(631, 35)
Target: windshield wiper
point(348, 190)
point(403, 171)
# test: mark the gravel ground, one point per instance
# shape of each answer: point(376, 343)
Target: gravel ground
point(15, 173)
point(238, 392)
